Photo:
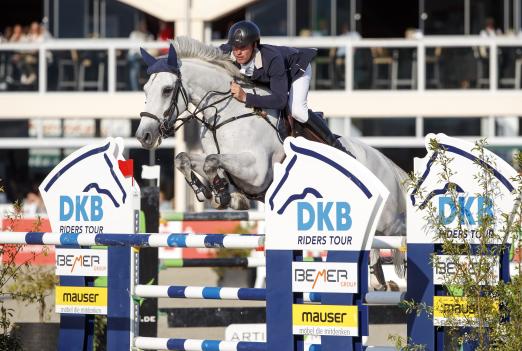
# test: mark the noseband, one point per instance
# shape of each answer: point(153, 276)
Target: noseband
point(167, 124)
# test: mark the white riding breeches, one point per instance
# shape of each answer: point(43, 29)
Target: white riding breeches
point(297, 99)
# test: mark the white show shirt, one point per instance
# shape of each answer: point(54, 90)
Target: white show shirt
point(248, 68)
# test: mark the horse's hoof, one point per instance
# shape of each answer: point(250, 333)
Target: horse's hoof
point(216, 205)
point(239, 202)
point(223, 199)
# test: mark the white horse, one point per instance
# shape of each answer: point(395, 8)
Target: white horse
point(240, 147)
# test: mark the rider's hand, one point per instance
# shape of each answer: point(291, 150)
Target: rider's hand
point(237, 91)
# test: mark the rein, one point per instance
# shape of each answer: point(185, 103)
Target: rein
point(167, 124)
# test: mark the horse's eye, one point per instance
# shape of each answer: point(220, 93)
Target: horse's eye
point(167, 91)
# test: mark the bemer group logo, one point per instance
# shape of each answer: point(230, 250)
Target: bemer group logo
point(334, 277)
point(86, 262)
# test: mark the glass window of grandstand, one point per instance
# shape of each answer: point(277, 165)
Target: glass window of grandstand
point(315, 18)
point(386, 67)
point(270, 16)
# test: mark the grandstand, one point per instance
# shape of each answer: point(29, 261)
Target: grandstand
point(386, 72)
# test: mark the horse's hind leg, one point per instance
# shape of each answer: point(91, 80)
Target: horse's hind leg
point(185, 164)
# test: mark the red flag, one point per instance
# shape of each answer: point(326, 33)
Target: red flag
point(126, 168)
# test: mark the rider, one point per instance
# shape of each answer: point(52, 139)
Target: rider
point(285, 70)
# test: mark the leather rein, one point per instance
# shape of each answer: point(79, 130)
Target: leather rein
point(167, 124)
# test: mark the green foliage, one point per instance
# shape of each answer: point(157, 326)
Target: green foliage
point(32, 285)
point(498, 307)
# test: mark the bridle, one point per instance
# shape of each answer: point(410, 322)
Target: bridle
point(167, 124)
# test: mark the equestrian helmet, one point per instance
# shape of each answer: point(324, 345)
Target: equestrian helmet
point(243, 33)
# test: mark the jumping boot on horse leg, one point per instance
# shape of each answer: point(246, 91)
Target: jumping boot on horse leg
point(198, 187)
point(219, 186)
point(318, 125)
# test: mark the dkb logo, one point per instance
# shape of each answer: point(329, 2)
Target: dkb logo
point(471, 209)
point(82, 208)
point(318, 216)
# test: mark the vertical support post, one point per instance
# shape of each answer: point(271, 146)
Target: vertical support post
point(148, 268)
point(348, 343)
point(76, 330)
point(493, 66)
point(421, 290)
point(122, 311)
point(111, 69)
point(42, 69)
point(421, 66)
point(279, 300)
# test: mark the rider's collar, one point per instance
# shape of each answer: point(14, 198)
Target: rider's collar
point(258, 62)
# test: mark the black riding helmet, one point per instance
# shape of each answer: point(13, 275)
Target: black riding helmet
point(243, 33)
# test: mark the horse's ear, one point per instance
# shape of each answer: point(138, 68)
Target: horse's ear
point(148, 58)
point(172, 58)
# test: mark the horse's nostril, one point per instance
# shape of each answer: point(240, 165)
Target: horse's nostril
point(147, 138)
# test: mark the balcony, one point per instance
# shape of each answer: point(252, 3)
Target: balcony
point(354, 80)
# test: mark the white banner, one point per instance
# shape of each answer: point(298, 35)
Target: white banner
point(81, 262)
point(445, 268)
point(327, 277)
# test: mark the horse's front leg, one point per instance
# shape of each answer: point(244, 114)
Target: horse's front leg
point(189, 165)
point(240, 166)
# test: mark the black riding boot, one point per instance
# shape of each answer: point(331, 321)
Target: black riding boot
point(318, 125)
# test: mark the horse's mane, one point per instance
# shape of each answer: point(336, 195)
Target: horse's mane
point(191, 48)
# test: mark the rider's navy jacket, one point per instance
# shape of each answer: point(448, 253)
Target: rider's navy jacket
point(276, 67)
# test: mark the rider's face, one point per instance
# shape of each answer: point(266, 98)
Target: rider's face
point(243, 54)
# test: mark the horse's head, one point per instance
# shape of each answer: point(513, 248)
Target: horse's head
point(165, 99)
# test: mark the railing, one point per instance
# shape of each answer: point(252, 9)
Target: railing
point(408, 93)
point(340, 62)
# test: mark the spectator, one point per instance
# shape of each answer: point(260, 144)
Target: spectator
point(33, 204)
point(140, 34)
point(166, 33)
point(18, 35)
point(8, 31)
point(489, 29)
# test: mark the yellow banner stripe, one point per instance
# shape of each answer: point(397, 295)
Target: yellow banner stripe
point(459, 307)
point(325, 315)
point(80, 296)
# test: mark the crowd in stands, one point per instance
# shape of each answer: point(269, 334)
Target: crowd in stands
point(18, 70)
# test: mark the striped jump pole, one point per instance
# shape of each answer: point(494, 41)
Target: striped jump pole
point(254, 294)
point(213, 216)
point(247, 262)
point(203, 345)
point(209, 293)
point(197, 345)
point(185, 240)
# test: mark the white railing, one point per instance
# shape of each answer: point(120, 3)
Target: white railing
point(417, 103)
point(349, 44)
